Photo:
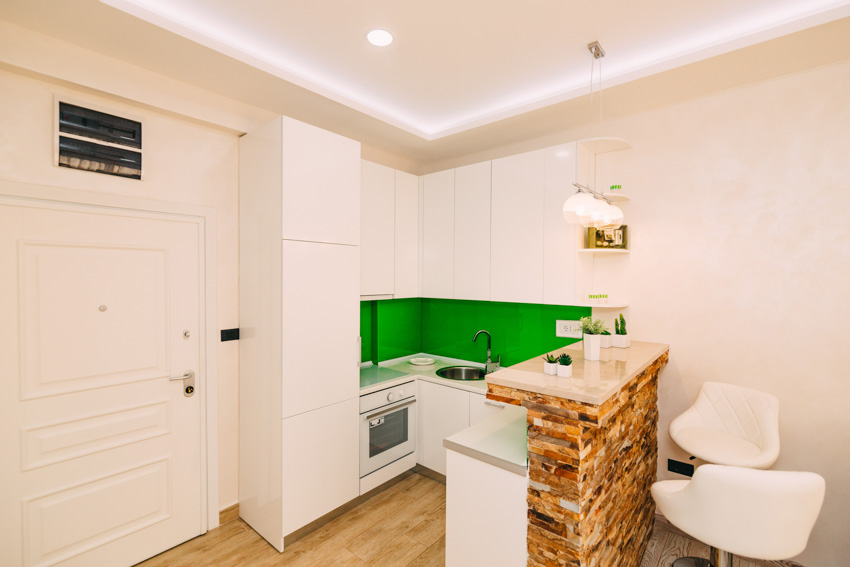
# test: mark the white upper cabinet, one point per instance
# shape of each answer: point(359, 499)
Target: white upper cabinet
point(406, 263)
point(438, 235)
point(516, 258)
point(377, 229)
point(472, 232)
point(560, 240)
point(319, 179)
point(321, 319)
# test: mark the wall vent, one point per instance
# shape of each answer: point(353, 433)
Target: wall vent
point(97, 141)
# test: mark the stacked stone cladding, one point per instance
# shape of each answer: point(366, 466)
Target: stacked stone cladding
point(590, 472)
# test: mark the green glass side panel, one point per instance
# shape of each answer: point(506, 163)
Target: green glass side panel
point(366, 330)
point(399, 328)
point(519, 331)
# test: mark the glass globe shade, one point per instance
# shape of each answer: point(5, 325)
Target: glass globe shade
point(578, 206)
point(595, 216)
point(613, 217)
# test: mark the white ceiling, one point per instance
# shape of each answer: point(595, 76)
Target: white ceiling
point(462, 77)
point(457, 64)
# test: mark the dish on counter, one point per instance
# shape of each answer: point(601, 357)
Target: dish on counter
point(421, 361)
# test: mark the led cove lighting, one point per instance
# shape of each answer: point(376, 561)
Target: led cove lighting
point(380, 38)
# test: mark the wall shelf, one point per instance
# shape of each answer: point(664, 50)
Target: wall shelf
point(617, 197)
point(604, 306)
point(604, 251)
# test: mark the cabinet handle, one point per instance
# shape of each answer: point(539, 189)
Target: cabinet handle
point(494, 404)
point(390, 409)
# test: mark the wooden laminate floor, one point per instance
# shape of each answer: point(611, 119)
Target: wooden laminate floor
point(404, 526)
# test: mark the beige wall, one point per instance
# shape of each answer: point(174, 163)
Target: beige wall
point(184, 162)
point(740, 231)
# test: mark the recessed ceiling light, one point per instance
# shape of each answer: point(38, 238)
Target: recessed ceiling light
point(381, 38)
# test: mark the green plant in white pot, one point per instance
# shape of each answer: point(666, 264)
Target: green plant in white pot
point(591, 330)
point(606, 339)
point(550, 364)
point(621, 336)
point(565, 366)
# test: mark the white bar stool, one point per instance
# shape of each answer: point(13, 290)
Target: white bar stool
point(759, 514)
point(730, 425)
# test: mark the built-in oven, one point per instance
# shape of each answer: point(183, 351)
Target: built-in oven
point(387, 426)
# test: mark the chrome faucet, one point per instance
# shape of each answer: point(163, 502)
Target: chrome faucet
point(489, 366)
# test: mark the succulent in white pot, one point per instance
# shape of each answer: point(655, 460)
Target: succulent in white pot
point(550, 364)
point(606, 340)
point(565, 366)
point(621, 336)
point(592, 330)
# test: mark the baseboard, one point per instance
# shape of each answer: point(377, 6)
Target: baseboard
point(228, 514)
point(664, 524)
point(429, 473)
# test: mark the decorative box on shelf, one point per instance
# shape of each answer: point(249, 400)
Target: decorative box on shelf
point(608, 238)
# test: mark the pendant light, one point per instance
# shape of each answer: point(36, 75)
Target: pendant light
point(587, 206)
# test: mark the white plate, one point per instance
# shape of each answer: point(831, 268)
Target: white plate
point(421, 361)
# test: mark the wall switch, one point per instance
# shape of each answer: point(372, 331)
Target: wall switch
point(568, 329)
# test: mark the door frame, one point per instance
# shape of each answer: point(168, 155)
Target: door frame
point(43, 196)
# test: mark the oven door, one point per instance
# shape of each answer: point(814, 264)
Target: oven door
point(386, 435)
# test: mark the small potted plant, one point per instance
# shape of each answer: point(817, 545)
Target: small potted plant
point(565, 366)
point(550, 364)
point(621, 336)
point(606, 339)
point(592, 330)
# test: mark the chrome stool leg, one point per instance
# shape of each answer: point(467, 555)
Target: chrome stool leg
point(718, 558)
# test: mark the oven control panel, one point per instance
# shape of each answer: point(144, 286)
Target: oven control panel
point(387, 396)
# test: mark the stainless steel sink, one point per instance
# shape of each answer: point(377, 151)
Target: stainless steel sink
point(461, 373)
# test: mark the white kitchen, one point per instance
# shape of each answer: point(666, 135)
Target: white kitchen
point(277, 292)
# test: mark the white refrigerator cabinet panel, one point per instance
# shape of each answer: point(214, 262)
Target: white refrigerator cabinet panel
point(516, 266)
point(472, 232)
point(377, 229)
point(321, 463)
point(442, 412)
point(438, 235)
point(560, 240)
point(320, 185)
point(321, 324)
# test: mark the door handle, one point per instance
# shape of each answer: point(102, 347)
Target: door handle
point(188, 379)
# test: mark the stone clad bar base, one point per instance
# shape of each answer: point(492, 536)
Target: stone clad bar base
point(590, 472)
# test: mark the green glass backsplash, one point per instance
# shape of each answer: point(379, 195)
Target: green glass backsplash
point(445, 327)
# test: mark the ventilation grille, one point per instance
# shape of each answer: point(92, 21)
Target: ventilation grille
point(97, 141)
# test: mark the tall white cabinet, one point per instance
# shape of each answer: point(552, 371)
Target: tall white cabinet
point(299, 288)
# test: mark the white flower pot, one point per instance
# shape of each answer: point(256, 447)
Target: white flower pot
point(550, 367)
point(606, 341)
point(565, 371)
point(592, 344)
point(622, 341)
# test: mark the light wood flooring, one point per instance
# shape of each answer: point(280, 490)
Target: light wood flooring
point(404, 526)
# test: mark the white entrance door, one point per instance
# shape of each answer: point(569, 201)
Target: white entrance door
point(101, 452)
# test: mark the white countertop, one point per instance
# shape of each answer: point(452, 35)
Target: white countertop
point(500, 440)
point(398, 371)
point(593, 381)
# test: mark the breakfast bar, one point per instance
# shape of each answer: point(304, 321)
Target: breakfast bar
point(592, 453)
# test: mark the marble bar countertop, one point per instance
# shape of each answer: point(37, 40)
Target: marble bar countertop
point(500, 440)
point(592, 382)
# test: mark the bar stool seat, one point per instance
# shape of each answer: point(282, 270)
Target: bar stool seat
point(730, 425)
point(735, 510)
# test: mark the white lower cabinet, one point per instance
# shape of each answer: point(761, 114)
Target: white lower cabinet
point(486, 514)
point(321, 462)
point(480, 408)
point(442, 412)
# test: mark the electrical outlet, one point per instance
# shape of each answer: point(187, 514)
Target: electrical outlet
point(568, 329)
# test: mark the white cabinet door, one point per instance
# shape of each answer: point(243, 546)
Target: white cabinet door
point(377, 229)
point(320, 185)
point(516, 266)
point(321, 319)
point(560, 239)
point(480, 408)
point(438, 235)
point(442, 412)
point(406, 235)
point(472, 232)
point(321, 463)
